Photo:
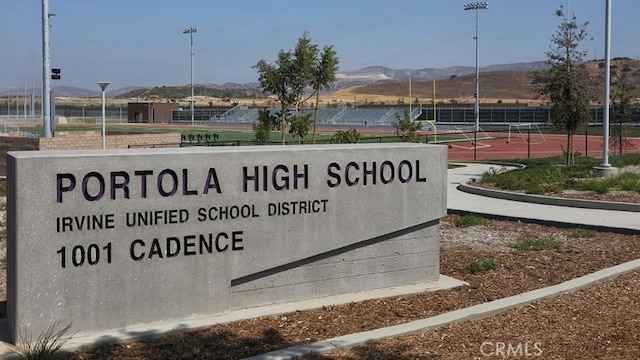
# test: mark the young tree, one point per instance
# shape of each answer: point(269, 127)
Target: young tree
point(323, 74)
point(305, 55)
point(623, 110)
point(276, 79)
point(407, 128)
point(261, 128)
point(300, 125)
point(295, 71)
point(566, 83)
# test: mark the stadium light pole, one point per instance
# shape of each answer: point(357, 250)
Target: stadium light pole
point(46, 71)
point(103, 85)
point(191, 31)
point(476, 108)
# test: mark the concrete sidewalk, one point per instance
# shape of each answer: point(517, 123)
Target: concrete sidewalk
point(463, 202)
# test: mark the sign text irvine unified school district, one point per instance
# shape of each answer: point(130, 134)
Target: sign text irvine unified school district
point(109, 239)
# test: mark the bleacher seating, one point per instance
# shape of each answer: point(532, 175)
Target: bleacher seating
point(326, 116)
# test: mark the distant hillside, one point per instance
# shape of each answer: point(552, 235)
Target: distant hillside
point(381, 74)
point(508, 86)
point(76, 92)
point(231, 91)
point(507, 82)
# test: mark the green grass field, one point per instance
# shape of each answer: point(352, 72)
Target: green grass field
point(237, 137)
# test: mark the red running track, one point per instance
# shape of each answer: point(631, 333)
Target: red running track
point(550, 145)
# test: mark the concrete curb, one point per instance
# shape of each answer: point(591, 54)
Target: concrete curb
point(467, 314)
point(549, 200)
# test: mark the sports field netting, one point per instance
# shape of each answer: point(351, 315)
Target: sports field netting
point(525, 133)
point(470, 138)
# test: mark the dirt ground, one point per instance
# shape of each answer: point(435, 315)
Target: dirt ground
point(601, 322)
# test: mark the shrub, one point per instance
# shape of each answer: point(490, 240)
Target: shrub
point(583, 234)
point(482, 265)
point(46, 346)
point(628, 182)
point(536, 244)
point(597, 185)
point(350, 136)
point(468, 220)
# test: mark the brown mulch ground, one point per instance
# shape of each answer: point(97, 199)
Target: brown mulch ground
point(601, 322)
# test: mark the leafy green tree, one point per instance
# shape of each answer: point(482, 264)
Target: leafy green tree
point(566, 83)
point(407, 128)
point(623, 110)
point(350, 136)
point(305, 55)
point(293, 72)
point(323, 74)
point(276, 79)
point(262, 128)
point(300, 125)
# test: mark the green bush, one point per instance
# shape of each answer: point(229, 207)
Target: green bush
point(482, 265)
point(536, 244)
point(350, 136)
point(468, 220)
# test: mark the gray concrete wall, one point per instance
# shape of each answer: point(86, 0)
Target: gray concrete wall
point(359, 217)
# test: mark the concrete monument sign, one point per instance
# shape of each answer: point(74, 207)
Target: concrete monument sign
point(109, 239)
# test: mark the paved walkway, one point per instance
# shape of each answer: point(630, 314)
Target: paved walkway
point(459, 201)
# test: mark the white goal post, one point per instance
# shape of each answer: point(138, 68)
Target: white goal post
point(526, 132)
point(471, 135)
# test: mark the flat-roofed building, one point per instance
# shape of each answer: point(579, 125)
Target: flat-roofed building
point(151, 112)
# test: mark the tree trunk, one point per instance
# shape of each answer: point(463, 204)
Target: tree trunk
point(569, 149)
point(282, 126)
point(571, 160)
point(315, 118)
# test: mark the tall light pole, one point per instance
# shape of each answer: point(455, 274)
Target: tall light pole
point(607, 90)
point(605, 169)
point(46, 71)
point(191, 31)
point(103, 85)
point(476, 109)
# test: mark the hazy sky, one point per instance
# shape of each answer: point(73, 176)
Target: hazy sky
point(140, 42)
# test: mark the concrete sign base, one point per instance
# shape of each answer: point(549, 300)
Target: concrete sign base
point(107, 239)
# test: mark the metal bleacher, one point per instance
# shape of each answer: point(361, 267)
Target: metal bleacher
point(326, 116)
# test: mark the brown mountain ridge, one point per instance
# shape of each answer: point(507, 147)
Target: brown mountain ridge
point(495, 86)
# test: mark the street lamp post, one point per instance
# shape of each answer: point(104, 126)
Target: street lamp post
point(191, 31)
point(605, 168)
point(103, 85)
point(607, 82)
point(476, 109)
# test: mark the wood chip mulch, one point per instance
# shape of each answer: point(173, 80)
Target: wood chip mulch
point(600, 322)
